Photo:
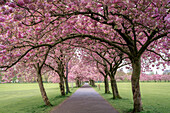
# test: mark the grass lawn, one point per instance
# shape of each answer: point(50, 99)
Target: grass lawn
point(26, 98)
point(155, 97)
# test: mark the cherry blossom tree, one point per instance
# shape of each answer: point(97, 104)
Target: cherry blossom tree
point(110, 61)
point(131, 28)
point(83, 72)
point(58, 61)
point(138, 28)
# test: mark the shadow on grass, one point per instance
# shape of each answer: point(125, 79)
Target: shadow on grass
point(39, 109)
point(44, 109)
point(109, 93)
point(119, 104)
point(129, 111)
point(60, 96)
point(55, 101)
point(122, 99)
point(43, 106)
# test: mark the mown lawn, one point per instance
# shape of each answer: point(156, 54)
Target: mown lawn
point(155, 97)
point(26, 98)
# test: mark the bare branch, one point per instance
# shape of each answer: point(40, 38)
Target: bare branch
point(158, 55)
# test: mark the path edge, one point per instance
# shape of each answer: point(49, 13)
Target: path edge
point(55, 107)
point(106, 101)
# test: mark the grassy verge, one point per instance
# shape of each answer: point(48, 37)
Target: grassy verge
point(26, 98)
point(155, 97)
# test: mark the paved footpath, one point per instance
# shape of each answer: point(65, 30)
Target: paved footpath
point(84, 100)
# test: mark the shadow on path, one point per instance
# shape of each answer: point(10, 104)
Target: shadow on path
point(84, 100)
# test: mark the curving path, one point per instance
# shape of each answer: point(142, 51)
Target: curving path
point(84, 100)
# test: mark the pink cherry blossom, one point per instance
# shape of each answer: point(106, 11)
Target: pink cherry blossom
point(2, 19)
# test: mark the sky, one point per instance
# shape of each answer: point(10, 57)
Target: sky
point(158, 71)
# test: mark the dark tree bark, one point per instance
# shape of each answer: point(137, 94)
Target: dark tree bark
point(67, 86)
point(62, 89)
point(136, 65)
point(106, 84)
point(93, 83)
point(78, 82)
point(41, 86)
point(114, 88)
point(66, 80)
point(60, 72)
point(62, 77)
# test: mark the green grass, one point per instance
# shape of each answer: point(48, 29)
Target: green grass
point(26, 98)
point(155, 97)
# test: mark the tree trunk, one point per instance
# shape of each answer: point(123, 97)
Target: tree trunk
point(136, 65)
point(93, 83)
point(90, 82)
point(42, 90)
point(115, 91)
point(77, 82)
point(62, 90)
point(66, 80)
point(80, 82)
point(67, 86)
point(106, 84)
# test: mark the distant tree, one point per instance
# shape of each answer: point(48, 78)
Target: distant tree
point(120, 73)
point(166, 72)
